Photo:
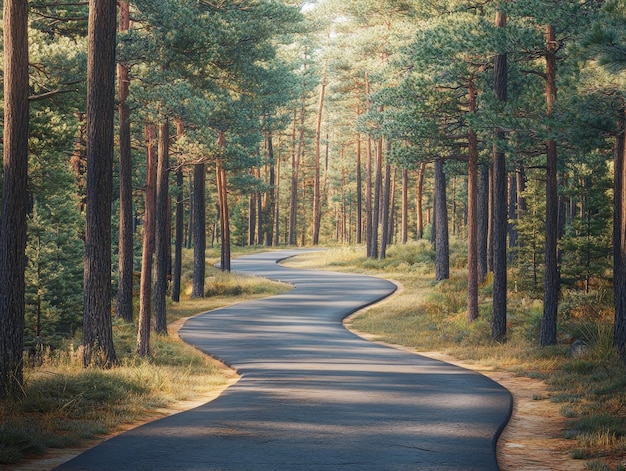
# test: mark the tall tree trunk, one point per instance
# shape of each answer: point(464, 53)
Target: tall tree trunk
point(419, 200)
point(13, 228)
point(125, 240)
point(179, 225)
point(369, 206)
point(317, 198)
point(98, 345)
point(260, 213)
point(483, 222)
point(442, 247)
point(162, 230)
point(472, 213)
point(551, 274)
point(619, 238)
point(405, 206)
point(296, 156)
point(199, 230)
point(378, 183)
point(391, 234)
point(252, 216)
point(276, 242)
point(222, 192)
point(179, 235)
point(499, 212)
point(386, 210)
point(270, 206)
point(359, 192)
point(513, 213)
point(149, 224)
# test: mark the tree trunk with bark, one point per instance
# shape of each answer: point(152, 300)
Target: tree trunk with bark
point(125, 240)
point(405, 206)
point(499, 212)
point(147, 252)
point(376, 210)
point(13, 230)
point(270, 203)
point(179, 225)
point(483, 222)
point(317, 197)
point(359, 192)
point(97, 342)
point(419, 200)
point(472, 213)
point(296, 157)
point(199, 230)
point(442, 243)
point(276, 229)
point(551, 275)
point(222, 196)
point(162, 230)
point(385, 213)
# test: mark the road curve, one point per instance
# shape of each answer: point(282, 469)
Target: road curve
point(314, 396)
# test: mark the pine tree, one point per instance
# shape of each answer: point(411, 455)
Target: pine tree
point(14, 196)
point(97, 324)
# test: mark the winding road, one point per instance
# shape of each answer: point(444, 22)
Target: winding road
point(314, 396)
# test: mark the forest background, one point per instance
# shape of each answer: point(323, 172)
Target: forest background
point(494, 126)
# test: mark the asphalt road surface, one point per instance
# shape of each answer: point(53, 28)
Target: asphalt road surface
point(314, 396)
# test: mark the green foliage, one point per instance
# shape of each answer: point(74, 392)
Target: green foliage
point(586, 245)
point(530, 227)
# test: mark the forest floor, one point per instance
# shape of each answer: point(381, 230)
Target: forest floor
point(532, 440)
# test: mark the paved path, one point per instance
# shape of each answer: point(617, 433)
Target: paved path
point(314, 396)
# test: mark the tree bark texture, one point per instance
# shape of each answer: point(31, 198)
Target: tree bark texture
point(377, 197)
point(222, 195)
point(270, 205)
point(298, 148)
point(178, 238)
point(125, 237)
point(179, 225)
point(359, 192)
point(419, 200)
point(149, 225)
point(483, 222)
point(442, 247)
point(551, 274)
point(317, 197)
point(405, 206)
point(199, 230)
point(97, 327)
point(499, 211)
point(162, 230)
point(472, 214)
point(276, 229)
point(385, 213)
point(14, 197)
